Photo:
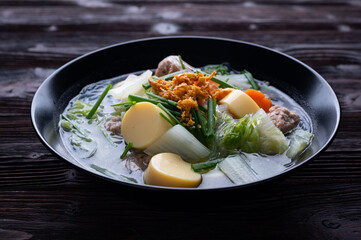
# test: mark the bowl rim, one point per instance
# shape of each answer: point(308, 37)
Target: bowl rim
point(162, 188)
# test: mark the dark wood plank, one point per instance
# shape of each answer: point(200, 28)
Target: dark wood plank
point(148, 17)
point(321, 215)
point(103, 3)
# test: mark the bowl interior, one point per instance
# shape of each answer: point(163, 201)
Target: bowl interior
point(291, 76)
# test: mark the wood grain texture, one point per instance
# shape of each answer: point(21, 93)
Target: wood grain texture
point(43, 197)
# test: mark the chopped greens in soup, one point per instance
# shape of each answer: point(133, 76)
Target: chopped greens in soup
point(188, 127)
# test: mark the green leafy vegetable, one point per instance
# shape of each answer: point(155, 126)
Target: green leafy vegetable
point(220, 69)
point(66, 125)
point(88, 148)
point(251, 134)
point(77, 128)
point(240, 134)
point(78, 109)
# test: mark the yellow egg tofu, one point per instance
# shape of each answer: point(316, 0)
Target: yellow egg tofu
point(239, 103)
point(169, 169)
point(142, 125)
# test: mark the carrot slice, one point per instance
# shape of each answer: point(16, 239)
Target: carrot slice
point(260, 99)
point(254, 94)
point(265, 104)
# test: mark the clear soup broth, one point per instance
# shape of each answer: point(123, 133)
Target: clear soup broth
point(93, 146)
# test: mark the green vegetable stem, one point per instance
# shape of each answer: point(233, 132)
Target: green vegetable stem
point(171, 116)
point(96, 105)
point(205, 166)
point(251, 79)
point(170, 102)
point(167, 119)
point(181, 62)
point(221, 83)
point(111, 174)
point(211, 120)
point(126, 150)
point(166, 77)
point(137, 98)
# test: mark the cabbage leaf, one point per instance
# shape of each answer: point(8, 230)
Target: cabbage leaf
point(220, 69)
point(251, 134)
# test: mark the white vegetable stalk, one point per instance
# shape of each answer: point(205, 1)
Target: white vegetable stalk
point(299, 141)
point(131, 85)
point(179, 141)
point(237, 170)
point(272, 140)
point(238, 80)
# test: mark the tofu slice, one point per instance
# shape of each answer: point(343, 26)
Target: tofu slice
point(168, 169)
point(142, 125)
point(239, 103)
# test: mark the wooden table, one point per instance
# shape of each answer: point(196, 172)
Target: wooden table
point(43, 197)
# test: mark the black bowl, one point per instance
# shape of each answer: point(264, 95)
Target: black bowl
point(293, 77)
